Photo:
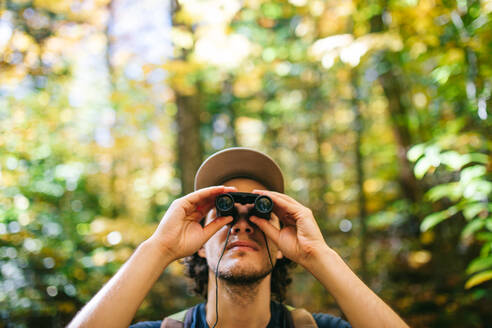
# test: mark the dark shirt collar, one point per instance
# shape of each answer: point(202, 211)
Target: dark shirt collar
point(280, 316)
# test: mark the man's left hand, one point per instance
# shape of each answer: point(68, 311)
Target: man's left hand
point(300, 238)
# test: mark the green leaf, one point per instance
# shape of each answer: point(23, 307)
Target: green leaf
point(451, 190)
point(471, 173)
point(477, 189)
point(485, 251)
point(433, 153)
point(416, 152)
point(478, 279)
point(472, 227)
point(441, 74)
point(421, 167)
point(436, 218)
point(454, 160)
point(479, 264)
point(484, 236)
point(478, 158)
point(488, 223)
point(473, 209)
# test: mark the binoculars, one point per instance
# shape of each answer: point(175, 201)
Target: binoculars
point(225, 204)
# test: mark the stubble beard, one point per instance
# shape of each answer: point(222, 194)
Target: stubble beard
point(242, 284)
point(243, 277)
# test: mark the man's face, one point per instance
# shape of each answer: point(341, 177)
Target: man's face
point(246, 257)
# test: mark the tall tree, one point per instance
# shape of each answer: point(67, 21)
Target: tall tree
point(392, 84)
point(189, 142)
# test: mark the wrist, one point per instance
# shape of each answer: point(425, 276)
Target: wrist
point(154, 250)
point(320, 255)
point(331, 270)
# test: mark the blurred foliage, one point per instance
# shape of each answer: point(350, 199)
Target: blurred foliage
point(88, 121)
point(471, 195)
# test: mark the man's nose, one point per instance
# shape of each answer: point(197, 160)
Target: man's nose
point(242, 224)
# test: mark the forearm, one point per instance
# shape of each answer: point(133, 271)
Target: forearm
point(358, 302)
point(117, 302)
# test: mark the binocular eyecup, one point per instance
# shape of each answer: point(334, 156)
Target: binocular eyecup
point(224, 204)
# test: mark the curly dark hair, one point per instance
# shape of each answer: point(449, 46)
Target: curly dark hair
point(196, 267)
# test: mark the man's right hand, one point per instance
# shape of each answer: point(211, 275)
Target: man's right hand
point(180, 233)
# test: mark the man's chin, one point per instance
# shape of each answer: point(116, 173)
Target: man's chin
point(243, 277)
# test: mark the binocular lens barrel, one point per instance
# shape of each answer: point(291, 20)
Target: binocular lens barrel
point(224, 202)
point(264, 204)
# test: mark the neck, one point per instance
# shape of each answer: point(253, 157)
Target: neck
point(242, 306)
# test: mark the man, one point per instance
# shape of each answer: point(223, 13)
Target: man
point(240, 295)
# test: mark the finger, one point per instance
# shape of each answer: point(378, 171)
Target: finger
point(206, 193)
point(285, 209)
point(270, 230)
point(215, 225)
point(285, 221)
point(203, 199)
point(279, 198)
point(277, 194)
point(208, 203)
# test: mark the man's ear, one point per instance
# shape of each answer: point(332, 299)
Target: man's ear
point(279, 255)
point(201, 252)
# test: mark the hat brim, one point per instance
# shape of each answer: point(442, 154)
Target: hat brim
point(239, 162)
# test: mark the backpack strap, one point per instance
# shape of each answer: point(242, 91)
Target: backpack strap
point(303, 319)
point(178, 320)
point(171, 323)
point(299, 317)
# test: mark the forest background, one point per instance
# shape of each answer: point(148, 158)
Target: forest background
point(377, 111)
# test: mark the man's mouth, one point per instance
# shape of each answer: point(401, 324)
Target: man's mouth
point(243, 245)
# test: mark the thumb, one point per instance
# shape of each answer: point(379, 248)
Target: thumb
point(214, 226)
point(269, 229)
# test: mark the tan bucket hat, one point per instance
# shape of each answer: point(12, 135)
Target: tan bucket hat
point(239, 162)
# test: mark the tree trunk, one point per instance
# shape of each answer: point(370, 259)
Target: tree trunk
point(321, 208)
point(398, 113)
point(190, 150)
point(359, 164)
point(320, 178)
point(189, 144)
point(116, 207)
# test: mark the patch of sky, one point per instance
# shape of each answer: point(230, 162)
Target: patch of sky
point(142, 28)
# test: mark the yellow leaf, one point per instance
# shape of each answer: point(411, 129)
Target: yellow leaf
point(478, 279)
point(56, 6)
